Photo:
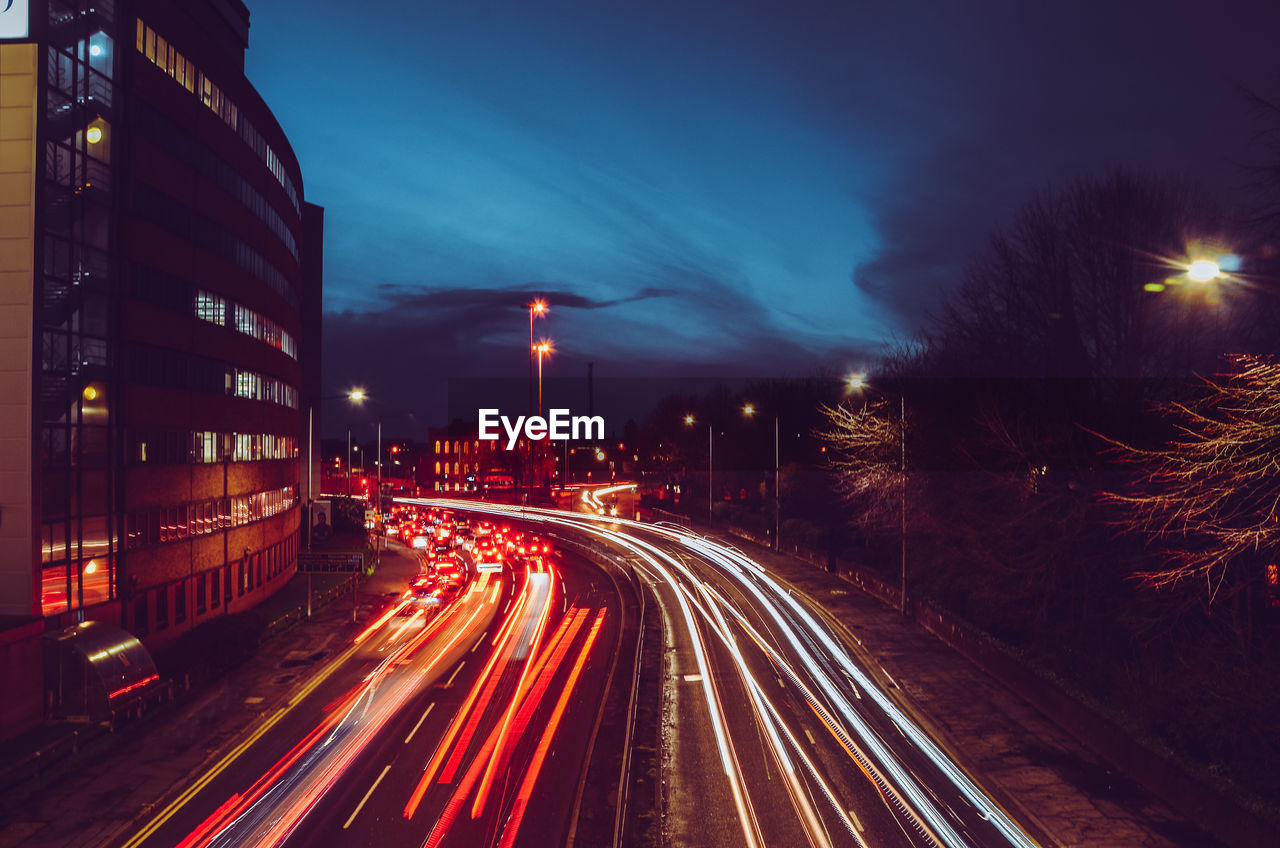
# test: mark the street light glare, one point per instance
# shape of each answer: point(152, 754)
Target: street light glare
point(749, 409)
point(1203, 270)
point(857, 381)
point(538, 306)
point(357, 395)
point(688, 419)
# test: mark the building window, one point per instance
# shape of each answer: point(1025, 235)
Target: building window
point(211, 308)
point(179, 602)
point(201, 593)
point(226, 585)
point(162, 607)
point(140, 615)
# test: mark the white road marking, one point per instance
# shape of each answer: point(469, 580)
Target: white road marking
point(449, 682)
point(360, 806)
point(808, 733)
point(692, 678)
point(856, 823)
point(476, 645)
point(430, 706)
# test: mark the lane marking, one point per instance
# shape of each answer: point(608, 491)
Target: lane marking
point(473, 647)
point(449, 682)
point(809, 733)
point(692, 678)
point(430, 707)
point(856, 823)
point(360, 806)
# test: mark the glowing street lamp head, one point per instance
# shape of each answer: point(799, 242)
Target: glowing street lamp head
point(856, 382)
point(749, 409)
point(538, 307)
point(357, 395)
point(1203, 270)
point(688, 420)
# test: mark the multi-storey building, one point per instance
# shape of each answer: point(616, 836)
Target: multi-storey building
point(160, 276)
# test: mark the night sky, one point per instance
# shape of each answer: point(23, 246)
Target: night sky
point(711, 187)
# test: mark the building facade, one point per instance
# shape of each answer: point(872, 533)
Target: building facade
point(161, 281)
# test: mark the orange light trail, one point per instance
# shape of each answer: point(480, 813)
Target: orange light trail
point(450, 812)
point(433, 766)
point(525, 680)
point(386, 616)
point(535, 765)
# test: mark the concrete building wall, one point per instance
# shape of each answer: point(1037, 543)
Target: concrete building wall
point(18, 591)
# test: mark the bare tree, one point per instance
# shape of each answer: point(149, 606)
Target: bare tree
point(1066, 290)
point(1208, 501)
point(864, 454)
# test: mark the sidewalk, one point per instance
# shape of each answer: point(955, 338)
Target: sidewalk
point(90, 798)
point(1044, 776)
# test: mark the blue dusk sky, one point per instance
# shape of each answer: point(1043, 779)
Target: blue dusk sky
point(711, 187)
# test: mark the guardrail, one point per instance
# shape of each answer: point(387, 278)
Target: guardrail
point(673, 517)
point(318, 562)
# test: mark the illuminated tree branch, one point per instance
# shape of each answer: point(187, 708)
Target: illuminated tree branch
point(1207, 501)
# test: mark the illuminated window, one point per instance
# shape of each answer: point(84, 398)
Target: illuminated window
point(437, 449)
point(437, 467)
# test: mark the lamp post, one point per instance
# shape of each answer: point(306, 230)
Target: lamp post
point(749, 410)
point(537, 307)
point(858, 382)
point(356, 395)
point(543, 349)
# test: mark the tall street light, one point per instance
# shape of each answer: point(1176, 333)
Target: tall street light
point(537, 307)
point(356, 395)
point(858, 382)
point(689, 421)
point(360, 396)
point(749, 410)
point(543, 349)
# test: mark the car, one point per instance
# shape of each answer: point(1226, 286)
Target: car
point(486, 556)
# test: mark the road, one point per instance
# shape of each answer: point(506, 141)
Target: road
point(775, 734)
point(458, 728)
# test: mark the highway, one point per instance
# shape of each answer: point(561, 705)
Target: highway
point(775, 733)
point(481, 724)
point(462, 727)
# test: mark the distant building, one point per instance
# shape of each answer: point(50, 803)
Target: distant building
point(161, 274)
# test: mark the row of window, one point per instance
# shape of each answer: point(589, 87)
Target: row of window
point(159, 525)
point(209, 589)
point(199, 157)
point(182, 447)
point(171, 369)
point(215, 309)
point(185, 73)
point(459, 447)
point(146, 283)
point(170, 214)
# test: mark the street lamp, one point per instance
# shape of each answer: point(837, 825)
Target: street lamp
point(543, 348)
point(356, 395)
point(750, 410)
point(858, 382)
point(537, 307)
point(1203, 271)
